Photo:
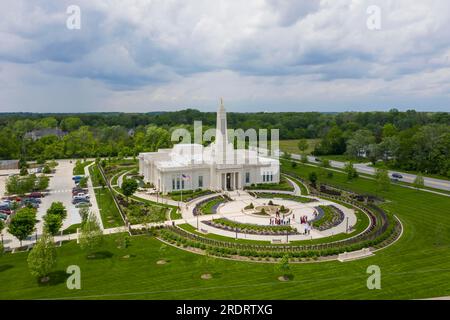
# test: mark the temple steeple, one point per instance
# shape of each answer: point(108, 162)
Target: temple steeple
point(221, 125)
point(221, 131)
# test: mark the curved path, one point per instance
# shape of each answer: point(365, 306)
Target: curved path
point(234, 210)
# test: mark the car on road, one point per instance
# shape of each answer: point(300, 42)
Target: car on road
point(397, 175)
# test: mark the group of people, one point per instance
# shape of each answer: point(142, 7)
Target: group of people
point(278, 220)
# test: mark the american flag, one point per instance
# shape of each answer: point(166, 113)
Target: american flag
point(185, 177)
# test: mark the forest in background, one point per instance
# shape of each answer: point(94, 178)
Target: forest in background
point(417, 141)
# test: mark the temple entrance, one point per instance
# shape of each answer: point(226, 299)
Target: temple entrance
point(228, 182)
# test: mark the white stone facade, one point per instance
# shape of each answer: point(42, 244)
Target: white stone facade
point(216, 167)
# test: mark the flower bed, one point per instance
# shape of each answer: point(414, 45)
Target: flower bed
point(229, 225)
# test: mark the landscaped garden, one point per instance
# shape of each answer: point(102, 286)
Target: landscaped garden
point(409, 266)
point(209, 206)
point(329, 217)
point(284, 196)
point(188, 195)
point(284, 185)
point(226, 224)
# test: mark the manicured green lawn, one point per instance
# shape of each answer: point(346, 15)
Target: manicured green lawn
point(78, 169)
point(72, 228)
point(291, 146)
point(417, 266)
point(207, 207)
point(284, 185)
point(188, 195)
point(108, 210)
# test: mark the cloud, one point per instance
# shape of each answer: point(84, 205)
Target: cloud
point(273, 53)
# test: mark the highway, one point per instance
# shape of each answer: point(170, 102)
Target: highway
point(366, 169)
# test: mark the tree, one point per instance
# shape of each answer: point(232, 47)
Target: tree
point(382, 179)
point(129, 186)
point(313, 178)
point(42, 183)
point(57, 208)
point(358, 144)
point(42, 258)
point(91, 236)
point(286, 156)
point(53, 223)
point(46, 169)
point(71, 124)
point(302, 145)
point(419, 182)
point(325, 163)
point(350, 170)
point(23, 171)
point(84, 213)
point(22, 224)
point(283, 268)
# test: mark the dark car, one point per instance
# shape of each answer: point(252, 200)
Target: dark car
point(80, 200)
point(397, 176)
point(36, 195)
point(32, 200)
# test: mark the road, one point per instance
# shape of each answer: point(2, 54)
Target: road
point(366, 169)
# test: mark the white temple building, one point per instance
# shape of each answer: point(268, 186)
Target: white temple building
point(218, 167)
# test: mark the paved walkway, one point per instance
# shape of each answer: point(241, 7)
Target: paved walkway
point(94, 208)
point(234, 211)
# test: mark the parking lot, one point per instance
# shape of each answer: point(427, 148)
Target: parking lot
point(60, 189)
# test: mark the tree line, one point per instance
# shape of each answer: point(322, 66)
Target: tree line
point(408, 140)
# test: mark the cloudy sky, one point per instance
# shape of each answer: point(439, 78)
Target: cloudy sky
point(259, 55)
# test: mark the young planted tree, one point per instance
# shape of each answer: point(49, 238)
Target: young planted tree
point(382, 179)
point(287, 155)
point(283, 268)
point(325, 163)
point(351, 171)
point(302, 145)
point(42, 258)
point(313, 178)
point(91, 236)
point(42, 183)
point(57, 208)
point(53, 223)
point(419, 182)
point(129, 186)
point(23, 223)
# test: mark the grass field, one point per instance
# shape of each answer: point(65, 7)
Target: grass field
point(417, 266)
point(291, 146)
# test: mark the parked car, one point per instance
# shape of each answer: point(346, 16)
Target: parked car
point(83, 205)
point(3, 216)
point(78, 200)
point(77, 178)
point(82, 194)
point(397, 175)
point(36, 195)
point(5, 211)
point(33, 200)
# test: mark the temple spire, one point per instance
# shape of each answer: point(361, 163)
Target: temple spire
point(221, 129)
